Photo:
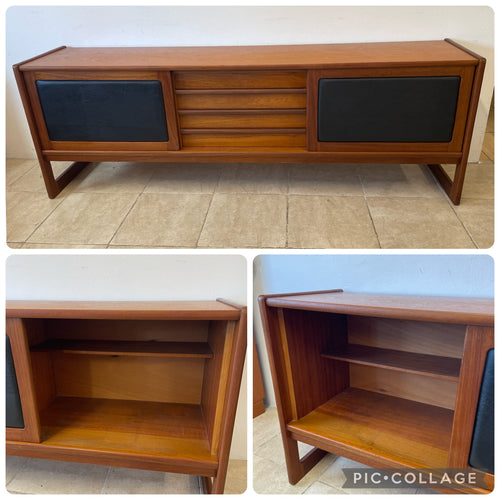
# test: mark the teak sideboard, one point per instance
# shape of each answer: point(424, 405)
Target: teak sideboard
point(147, 385)
point(395, 102)
point(391, 381)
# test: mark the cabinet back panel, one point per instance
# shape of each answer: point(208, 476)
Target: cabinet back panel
point(173, 331)
point(424, 389)
point(439, 339)
point(176, 380)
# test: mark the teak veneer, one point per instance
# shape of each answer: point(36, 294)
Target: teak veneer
point(397, 102)
point(148, 385)
point(333, 357)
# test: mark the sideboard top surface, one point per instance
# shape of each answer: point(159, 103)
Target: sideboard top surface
point(154, 310)
point(439, 52)
point(462, 310)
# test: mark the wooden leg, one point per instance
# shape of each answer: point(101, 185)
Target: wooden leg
point(55, 186)
point(298, 467)
point(49, 179)
point(453, 188)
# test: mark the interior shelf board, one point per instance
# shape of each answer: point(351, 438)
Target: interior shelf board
point(163, 430)
point(402, 431)
point(127, 348)
point(391, 359)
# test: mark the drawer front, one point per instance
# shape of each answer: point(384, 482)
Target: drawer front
point(405, 109)
point(242, 108)
point(14, 412)
point(240, 79)
point(245, 137)
point(263, 99)
point(276, 118)
point(107, 111)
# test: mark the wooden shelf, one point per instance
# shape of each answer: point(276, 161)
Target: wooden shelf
point(127, 432)
point(391, 359)
point(128, 348)
point(403, 432)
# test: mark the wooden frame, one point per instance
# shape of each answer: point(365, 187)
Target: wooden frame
point(184, 428)
point(332, 356)
point(466, 75)
point(257, 105)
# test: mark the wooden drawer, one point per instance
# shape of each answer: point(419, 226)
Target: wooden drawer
point(256, 99)
point(244, 137)
point(275, 118)
point(239, 79)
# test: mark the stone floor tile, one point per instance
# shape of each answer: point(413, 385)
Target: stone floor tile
point(319, 488)
point(245, 221)
point(325, 179)
point(330, 222)
point(147, 482)
point(489, 145)
point(479, 180)
point(113, 177)
point(32, 180)
point(259, 178)
point(335, 477)
point(184, 178)
point(61, 246)
point(417, 223)
point(48, 476)
point(265, 427)
point(25, 212)
point(16, 168)
point(478, 218)
point(163, 219)
point(399, 181)
point(12, 466)
point(85, 218)
point(236, 480)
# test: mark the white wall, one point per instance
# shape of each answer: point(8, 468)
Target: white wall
point(33, 30)
point(135, 277)
point(446, 275)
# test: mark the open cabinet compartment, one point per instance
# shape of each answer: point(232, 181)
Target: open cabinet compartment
point(353, 398)
point(143, 393)
point(377, 379)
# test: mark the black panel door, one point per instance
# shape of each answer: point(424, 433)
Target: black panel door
point(14, 412)
point(483, 446)
point(131, 111)
point(401, 109)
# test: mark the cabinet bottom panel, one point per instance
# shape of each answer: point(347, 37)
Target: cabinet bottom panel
point(148, 435)
point(392, 430)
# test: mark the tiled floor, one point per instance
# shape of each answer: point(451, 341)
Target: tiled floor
point(269, 469)
point(131, 205)
point(34, 476)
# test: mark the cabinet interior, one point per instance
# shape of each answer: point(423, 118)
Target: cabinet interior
point(148, 385)
point(373, 383)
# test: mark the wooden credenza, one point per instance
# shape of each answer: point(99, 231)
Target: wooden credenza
point(391, 381)
point(147, 385)
point(405, 102)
